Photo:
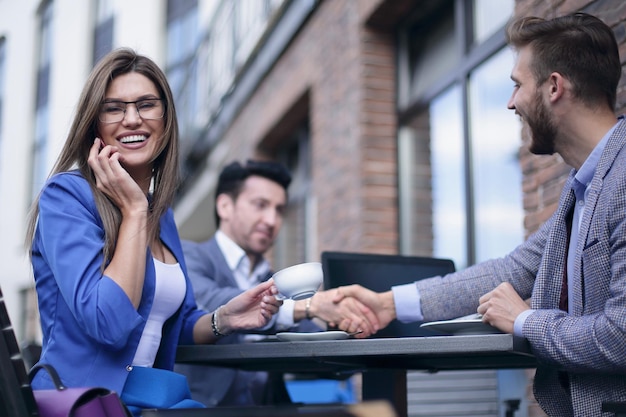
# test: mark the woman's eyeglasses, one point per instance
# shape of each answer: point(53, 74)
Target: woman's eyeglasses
point(115, 111)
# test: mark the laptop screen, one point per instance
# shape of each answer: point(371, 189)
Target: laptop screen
point(379, 273)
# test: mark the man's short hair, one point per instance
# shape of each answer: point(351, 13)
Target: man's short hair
point(233, 176)
point(579, 46)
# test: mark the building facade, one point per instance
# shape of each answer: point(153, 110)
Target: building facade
point(391, 115)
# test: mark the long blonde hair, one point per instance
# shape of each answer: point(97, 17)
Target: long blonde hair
point(84, 129)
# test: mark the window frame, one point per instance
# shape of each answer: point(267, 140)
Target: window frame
point(410, 105)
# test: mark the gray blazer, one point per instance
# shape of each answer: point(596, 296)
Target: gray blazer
point(214, 285)
point(588, 346)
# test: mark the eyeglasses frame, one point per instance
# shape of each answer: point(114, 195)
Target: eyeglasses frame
point(126, 103)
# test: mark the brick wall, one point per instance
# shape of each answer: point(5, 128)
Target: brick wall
point(345, 72)
point(378, 141)
point(343, 64)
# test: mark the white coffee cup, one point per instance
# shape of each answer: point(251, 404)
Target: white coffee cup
point(299, 281)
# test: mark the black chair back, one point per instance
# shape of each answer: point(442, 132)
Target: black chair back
point(379, 273)
point(16, 396)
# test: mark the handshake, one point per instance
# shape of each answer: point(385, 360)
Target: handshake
point(353, 309)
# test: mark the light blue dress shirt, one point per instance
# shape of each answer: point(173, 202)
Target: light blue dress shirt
point(580, 186)
point(407, 298)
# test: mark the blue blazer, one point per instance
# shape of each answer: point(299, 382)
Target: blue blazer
point(590, 344)
point(214, 285)
point(90, 328)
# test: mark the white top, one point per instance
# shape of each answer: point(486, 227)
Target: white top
point(169, 294)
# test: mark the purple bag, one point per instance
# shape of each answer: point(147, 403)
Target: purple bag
point(75, 402)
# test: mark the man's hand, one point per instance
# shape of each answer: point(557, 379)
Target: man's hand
point(251, 309)
point(381, 304)
point(501, 306)
point(349, 314)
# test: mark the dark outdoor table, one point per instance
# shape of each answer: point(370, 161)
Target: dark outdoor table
point(383, 361)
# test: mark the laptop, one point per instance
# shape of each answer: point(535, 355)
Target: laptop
point(379, 273)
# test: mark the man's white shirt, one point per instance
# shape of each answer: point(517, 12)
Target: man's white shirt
point(239, 264)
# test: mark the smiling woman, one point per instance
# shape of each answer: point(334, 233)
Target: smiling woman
point(105, 249)
point(136, 135)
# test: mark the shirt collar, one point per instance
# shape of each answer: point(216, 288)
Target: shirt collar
point(583, 177)
point(234, 255)
point(232, 252)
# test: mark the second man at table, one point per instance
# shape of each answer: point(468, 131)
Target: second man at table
point(250, 203)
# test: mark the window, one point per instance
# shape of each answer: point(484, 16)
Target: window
point(460, 181)
point(103, 31)
point(249, 23)
point(489, 17)
point(235, 31)
point(496, 172)
point(40, 146)
point(221, 50)
point(459, 174)
point(2, 92)
point(182, 71)
point(294, 244)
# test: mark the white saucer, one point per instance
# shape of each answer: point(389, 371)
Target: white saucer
point(299, 337)
point(466, 325)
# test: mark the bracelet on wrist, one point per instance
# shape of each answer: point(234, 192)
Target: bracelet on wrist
point(215, 326)
point(307, 308)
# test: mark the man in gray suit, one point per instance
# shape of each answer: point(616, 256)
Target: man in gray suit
point(249, 206)
point(565, 82)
